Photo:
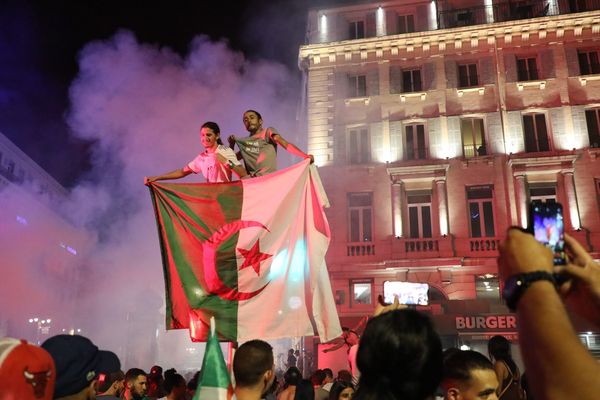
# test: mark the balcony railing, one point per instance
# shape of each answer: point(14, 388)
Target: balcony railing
point(360, 249)
point(421, 245)
point(484, 245)
point(511, 11)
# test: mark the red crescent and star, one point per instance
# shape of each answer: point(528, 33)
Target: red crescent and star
point(253, 257)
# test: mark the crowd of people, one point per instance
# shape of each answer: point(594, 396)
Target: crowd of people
point(399, 355)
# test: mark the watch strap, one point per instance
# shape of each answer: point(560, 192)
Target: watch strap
point(516, 285)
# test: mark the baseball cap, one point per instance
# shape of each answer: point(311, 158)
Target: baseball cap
point(78, 362)
point(26, 371)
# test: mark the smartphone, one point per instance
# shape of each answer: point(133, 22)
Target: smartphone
point(407, 292)
point(547, 226)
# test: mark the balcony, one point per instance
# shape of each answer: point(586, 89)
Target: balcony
point(477, 247)
point(510, 11)
point(422, 247)
point(360, 249)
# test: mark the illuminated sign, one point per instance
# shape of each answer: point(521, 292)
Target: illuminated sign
point(482, 323)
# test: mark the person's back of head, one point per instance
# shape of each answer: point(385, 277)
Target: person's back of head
point(328, 375)
point(304, 390)
point(499, 350)
point(292, 377)
point(174, 384)
point(111, 384)
point(399, 357)
point(468, 375)
point(344, 375)
point(251, 362)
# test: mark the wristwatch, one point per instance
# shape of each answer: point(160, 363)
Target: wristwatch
point(230, 164)
point(515, 285)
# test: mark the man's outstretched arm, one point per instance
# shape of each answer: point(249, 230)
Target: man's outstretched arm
point(176, 174)
point(291, 148)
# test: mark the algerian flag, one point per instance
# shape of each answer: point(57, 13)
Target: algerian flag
point(250, 253)
point(214, 383)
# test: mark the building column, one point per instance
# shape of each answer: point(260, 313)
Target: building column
point(397, 208)
point(440, 185)
point(569, 180)
point(521, 199)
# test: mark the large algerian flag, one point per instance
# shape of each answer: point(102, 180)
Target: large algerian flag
point(214, 384)
point(250, 253)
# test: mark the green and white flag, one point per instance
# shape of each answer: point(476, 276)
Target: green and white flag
point(251, 253)
point(214, 383)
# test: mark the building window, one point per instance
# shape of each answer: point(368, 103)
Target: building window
point(467, 75)
point(592, 118)
point(588, 62)
point(411, 81)
point(357, 86)
point(481, 211)
point(527, 69)
point(406, 23)
point(473, 137)
point(487, 286)
point(360, 211)
point(578, 5)
point(361, 291)
point(416, 143)
point(419, 215)
point(360, 146)
point(357, 30)
point(536, 135)
point(542, 193)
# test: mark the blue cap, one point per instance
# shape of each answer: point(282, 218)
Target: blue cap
point(78, 362)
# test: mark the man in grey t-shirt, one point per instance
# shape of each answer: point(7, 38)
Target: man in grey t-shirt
point(259, 149)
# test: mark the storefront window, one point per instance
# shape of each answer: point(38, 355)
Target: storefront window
point(487, 287)
point(361, 292)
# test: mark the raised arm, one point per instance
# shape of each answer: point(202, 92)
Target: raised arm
point(291, 148)
point(176, 174)
point(558, 365)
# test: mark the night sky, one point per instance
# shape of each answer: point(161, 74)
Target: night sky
point(40, 42)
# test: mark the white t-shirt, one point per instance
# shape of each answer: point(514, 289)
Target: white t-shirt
point(211, 168)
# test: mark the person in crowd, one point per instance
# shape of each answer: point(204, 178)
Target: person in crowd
point(259, 149)
point(111, 386)
point(328, 381)
point(468, 375)
point(317, 379)
point(399, 356)
point(304, 390)
point(291, 359)
point(341, 390)
point(192, 384)
point(558, 365)
point(350, 339)
point(27, 372)
point(216, 161)
point(136, 384)
point(506, 369)
point(344, 375)
point(291, 379)
point(79, 364)
point(155, 382)
point(253, 369)
point(174, 386)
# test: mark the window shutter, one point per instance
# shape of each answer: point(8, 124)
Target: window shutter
point(342, 87)
point(547, 60)
point(422, 22)
point(580, 130)
point(429, 76)
point(371, 30)
point(342, 28)
point(454, 138)
point(558, 130)
point(435, 143)
point(391, 21)
point(494, 131)
point(396, 140)
point(373, 82)
point(572, 61)
point(514, 136)
point(376, 130)
point(395, 79)
point(487, 71)
point(451, 74)
point(510, 66)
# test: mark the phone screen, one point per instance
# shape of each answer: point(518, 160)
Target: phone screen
point(407, 292)
point(548, 228)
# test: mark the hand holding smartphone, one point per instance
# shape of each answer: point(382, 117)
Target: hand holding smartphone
point(547, 226)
